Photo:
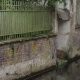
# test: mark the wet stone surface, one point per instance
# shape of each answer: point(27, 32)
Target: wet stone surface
point(69, 72)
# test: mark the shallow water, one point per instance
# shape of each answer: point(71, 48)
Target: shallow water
point(69, 72)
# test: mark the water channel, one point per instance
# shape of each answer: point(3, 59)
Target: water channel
point(68, 72)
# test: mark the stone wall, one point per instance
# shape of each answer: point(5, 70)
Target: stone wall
point(74, 43)
point(73, 47)
point(78, 30)
point(23, 58)
point(66, 31)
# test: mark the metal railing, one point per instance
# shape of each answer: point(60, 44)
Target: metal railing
point(21, 19)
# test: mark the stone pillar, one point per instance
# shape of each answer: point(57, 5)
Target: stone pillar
point(66, 23)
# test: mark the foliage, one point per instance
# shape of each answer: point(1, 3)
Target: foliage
point(60, 62)
point(50, 2)
point(12, 46)
point(53, 2)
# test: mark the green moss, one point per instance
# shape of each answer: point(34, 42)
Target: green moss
point(60, 62)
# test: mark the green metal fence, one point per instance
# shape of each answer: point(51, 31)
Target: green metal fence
point(21, 19)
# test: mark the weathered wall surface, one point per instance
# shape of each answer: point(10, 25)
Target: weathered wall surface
point(78, 14)
point(74, 37)
point(78, 30)
point(73, 47)
point(74, 44)
point(23, 58)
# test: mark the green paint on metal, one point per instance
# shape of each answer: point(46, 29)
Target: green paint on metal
point(21, 19)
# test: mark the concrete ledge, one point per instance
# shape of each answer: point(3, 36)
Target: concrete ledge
point(27, 39)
